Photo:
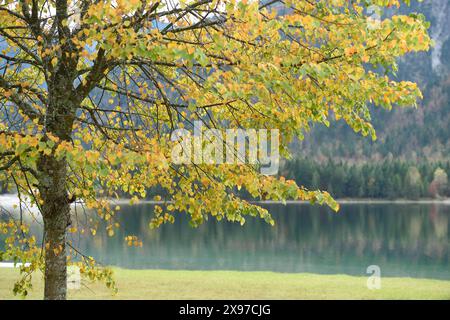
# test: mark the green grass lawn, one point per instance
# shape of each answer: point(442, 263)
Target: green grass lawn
point(162, 284)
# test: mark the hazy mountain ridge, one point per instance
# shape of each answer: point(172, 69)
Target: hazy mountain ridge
point(407, 133)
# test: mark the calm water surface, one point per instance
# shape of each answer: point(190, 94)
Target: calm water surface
point(408, 240)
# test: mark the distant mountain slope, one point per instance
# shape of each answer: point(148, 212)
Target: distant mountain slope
point(402, 133)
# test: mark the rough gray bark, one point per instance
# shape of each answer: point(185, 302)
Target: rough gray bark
point(56, 216)
point(53, 188)
point(56, 210)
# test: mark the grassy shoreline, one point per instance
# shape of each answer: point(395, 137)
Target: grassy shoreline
point(165, 284)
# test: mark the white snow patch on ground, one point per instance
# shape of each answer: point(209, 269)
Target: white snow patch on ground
point(11, 265)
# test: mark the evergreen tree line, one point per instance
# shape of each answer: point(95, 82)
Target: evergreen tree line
point(389, 179)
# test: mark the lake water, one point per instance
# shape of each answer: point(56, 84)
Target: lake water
point(407, 240)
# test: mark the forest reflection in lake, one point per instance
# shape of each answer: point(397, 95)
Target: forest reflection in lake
point(403, 239)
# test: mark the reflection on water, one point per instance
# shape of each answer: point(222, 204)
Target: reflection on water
point(403, 239)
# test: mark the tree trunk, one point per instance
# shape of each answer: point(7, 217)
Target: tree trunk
point(54, 193)
point(63, 101)
point(56, 215)
point(55, 257)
